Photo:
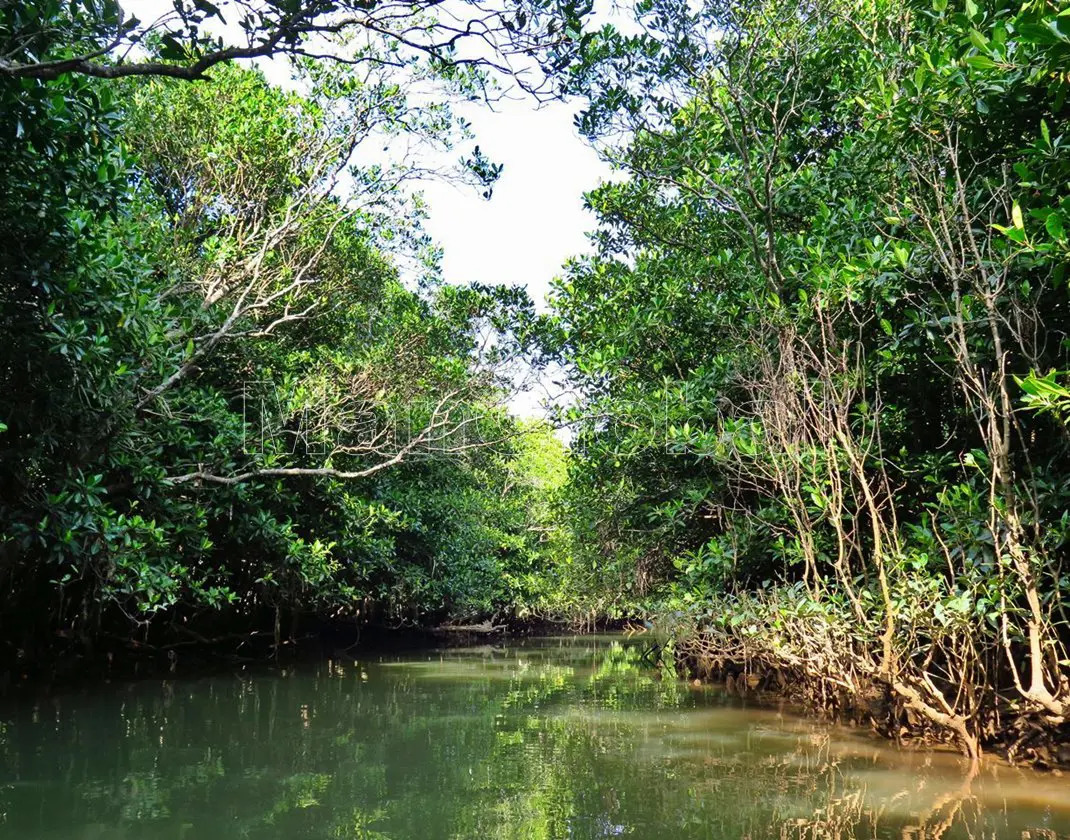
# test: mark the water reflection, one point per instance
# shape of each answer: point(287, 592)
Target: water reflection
point(566, 738)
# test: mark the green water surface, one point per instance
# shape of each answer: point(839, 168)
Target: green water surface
point(555, 738)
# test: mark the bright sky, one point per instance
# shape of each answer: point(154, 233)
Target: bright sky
point(535, 219)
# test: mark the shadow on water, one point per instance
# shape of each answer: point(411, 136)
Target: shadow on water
point(554, 738)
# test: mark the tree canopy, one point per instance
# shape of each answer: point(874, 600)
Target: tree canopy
point(234, 389)
point(525, 41)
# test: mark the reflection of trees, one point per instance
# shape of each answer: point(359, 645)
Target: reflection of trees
point(577, 739)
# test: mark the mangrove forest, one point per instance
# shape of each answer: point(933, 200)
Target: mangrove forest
point(809, 441)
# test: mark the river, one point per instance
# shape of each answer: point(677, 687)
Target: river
point(573, 737)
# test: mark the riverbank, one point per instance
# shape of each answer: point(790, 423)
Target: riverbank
point(67, 662)
point(764, 670)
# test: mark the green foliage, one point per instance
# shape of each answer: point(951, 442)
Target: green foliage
point(811, 425)
point(222, 405)
point(839, 241)
point(1046, 394)
point(466, 45)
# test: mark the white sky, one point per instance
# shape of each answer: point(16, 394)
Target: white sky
point(535, 219)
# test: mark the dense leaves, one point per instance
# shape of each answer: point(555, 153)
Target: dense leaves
point(224, 406)
point(826, 297)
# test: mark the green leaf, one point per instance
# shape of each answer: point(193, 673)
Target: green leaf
point(1016, 216)
point(1035, 33)
point(977, 39)
point(1054, 225)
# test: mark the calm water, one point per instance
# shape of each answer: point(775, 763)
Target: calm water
point(562, 738)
